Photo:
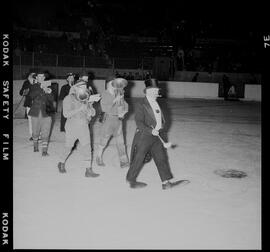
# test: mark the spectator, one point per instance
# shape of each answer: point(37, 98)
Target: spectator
point(137, 76)
point(216, 64)
point(147, 75)
point(226, 86)
point(17, 51)
point(130, 76)
point(232, 93)
point(117, 74)
point(195, 77)
point(180, 59)
point(172, 66)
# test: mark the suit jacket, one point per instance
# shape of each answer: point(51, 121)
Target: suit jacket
point(145, 121)
point(40, 100)
point(145, 117)
point(64, 91)
point(28, 100)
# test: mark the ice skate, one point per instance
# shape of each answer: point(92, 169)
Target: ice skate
point(44, 152)
point(89, 173)
point(36, 146)
point(124, 164)
point(99, 161)
point(61, 167)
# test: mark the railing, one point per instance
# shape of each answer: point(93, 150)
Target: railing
point(36, 60)
point(42, 59)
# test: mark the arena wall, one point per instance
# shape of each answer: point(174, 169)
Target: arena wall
point(253, 92)
point(170, 89)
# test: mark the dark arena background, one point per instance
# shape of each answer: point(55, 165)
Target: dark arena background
point(194, 50)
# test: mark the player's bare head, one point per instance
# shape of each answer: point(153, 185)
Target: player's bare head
point(71, 78)
point(40, 77)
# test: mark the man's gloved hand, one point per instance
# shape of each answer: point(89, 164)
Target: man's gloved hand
point(25, 92)
point(47, 90)
point(155, 132)
point(118, 98)
point(121, 115)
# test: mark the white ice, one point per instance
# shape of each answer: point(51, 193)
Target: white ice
point(70, 211)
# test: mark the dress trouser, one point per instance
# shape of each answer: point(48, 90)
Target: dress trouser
point(62, 122)
point(41, 125)
point(159, 154)
point(29, 121)
point(112, 126)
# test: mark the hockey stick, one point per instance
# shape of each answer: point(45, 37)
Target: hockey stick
point(166, 145)
point(62, 168)
point(18, 105)
point(92, 157)
point(71, 151)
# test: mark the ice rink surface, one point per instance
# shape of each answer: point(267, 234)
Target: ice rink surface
point(70, 211)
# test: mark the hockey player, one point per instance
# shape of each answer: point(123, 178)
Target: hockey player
point(41, 111)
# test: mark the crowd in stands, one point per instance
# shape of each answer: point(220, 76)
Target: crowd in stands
point(133, 76)
point(43, 43)
point(98, 29)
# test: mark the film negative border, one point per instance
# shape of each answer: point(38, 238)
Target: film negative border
point(6, 131)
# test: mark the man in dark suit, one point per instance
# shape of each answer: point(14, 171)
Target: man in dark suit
point(24, 91)
point(150, 123)
point(226, 86)
point(63, 93)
